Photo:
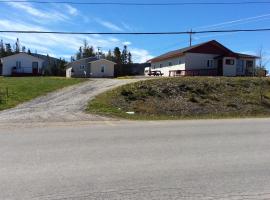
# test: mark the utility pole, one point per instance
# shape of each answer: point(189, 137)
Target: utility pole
point(190, 38)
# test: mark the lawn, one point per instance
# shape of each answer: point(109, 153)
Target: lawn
point(14, 91)
point(186, 98)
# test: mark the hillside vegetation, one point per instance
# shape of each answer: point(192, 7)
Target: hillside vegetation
point(15, 90)
point(186, 97)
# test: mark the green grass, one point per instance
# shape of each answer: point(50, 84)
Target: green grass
point(26, 88)
point(186, 98)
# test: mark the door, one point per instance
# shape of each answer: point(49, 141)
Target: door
point(220, 67)
point(35, 68)
point(89, 71)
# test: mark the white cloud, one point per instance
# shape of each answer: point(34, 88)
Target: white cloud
point(127, 27)
point(72, 10)
point(62, 45)
point(140, 55)
point(108, 25)
point(127, 43)
point(41, 14)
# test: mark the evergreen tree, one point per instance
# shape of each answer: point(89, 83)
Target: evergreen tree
point(23, 49)
point(17, 46)
point(109, 56)
point(117, 55)
point(125, 55)
point(79, 54)
point(89, 52)
point(29, 51)
point(2, 49)
point(8, 49)
point(129, 58)
point(72, 59)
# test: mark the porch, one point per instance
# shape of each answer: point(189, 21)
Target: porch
point(25, 71)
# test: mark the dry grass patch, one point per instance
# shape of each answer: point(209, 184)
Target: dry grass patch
point(187, 97)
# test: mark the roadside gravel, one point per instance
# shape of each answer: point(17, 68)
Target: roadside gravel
point(66, 105)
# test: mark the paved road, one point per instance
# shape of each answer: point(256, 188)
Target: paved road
point(226, 159)
point(62, 106)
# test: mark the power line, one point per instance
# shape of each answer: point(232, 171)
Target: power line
point(139, 4)
point(138, 33)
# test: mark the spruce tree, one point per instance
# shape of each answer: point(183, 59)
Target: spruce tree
point(129, 58)
point(8, 49)
point(17, 46)
point(79, 54)
point(117, 55)
point(23, 49)
point(2, 49)
point(125, 55)
point(109, 56)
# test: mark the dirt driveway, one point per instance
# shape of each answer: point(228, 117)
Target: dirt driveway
point(66, 105)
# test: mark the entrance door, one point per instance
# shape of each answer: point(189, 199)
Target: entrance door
point(35, 68)
point(220, 67)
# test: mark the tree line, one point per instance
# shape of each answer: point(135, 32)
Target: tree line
point(7, 49)
point(123, 57)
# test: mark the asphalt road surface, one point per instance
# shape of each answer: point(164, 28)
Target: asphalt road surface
point(220, 159)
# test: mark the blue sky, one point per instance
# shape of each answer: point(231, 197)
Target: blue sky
point(90, 18)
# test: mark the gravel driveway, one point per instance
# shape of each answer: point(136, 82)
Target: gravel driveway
point(66, 105)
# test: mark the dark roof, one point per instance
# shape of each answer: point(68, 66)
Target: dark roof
point(180, 52)
point(174, 53)
point(89, 59)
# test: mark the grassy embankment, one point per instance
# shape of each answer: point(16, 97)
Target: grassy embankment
point(26, 88)
point(186, 98)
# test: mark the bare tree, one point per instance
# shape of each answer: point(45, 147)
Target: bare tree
point(263, 60)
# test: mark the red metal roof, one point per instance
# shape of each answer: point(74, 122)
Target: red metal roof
point(210, 47)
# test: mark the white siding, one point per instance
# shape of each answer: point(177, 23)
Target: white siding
point(165, 65)
point(69, 72)
point(199, 61)
point(96, 68)
point(229, 70)
point(80, 68)
point(26, 63)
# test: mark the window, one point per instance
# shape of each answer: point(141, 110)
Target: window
point(250, 63)
point(229, 61)
point(154, 66)
point(160, 65)
point(180, 62)
point(170, 63)
point(102, 69)
point(210, 63)
point(82, 66)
